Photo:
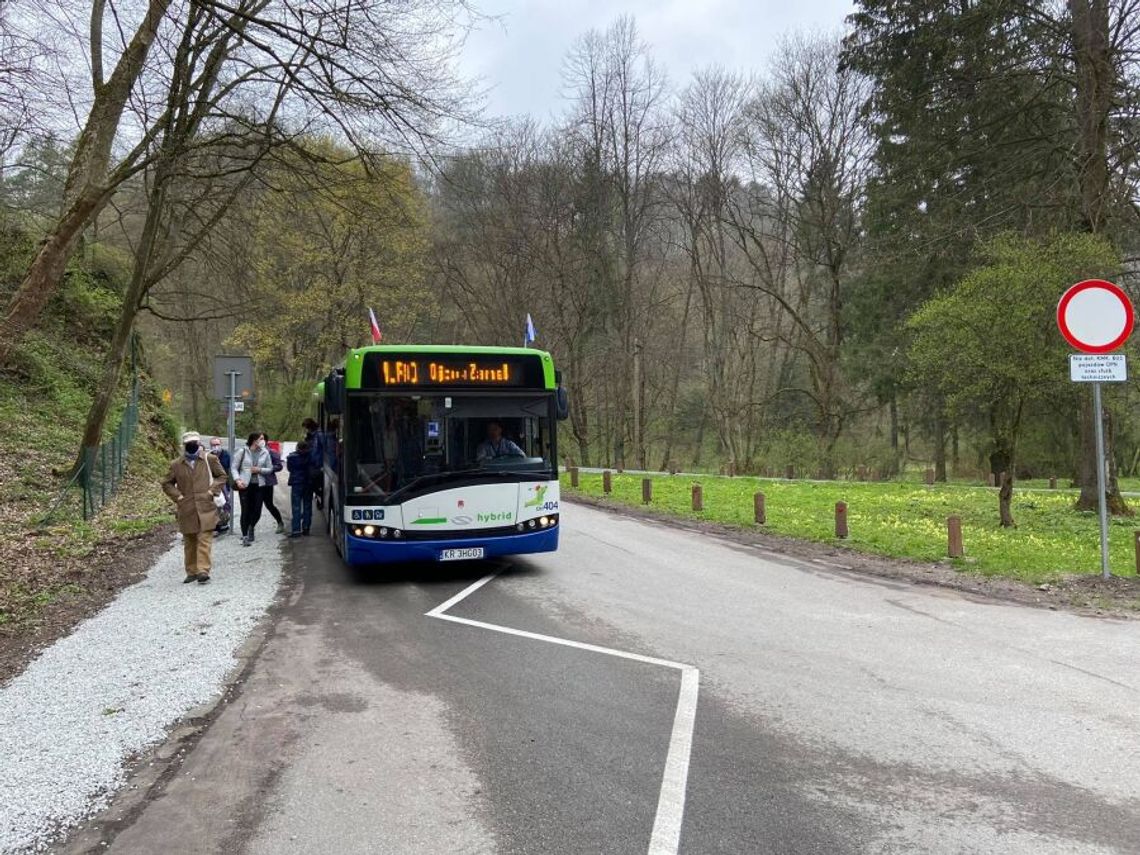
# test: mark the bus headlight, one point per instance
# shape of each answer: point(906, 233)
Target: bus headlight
point(369, 530)
point(358, 531)
point(383, 531)
point(544, 521)
point(397, 533)
point(531, 523)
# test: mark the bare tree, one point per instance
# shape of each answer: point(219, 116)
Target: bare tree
point(375, 74)
point(708, 158)
point(620, 125)
point(18, 77)
point(808, 153)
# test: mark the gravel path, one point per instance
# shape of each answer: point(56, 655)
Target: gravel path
point(117, 684)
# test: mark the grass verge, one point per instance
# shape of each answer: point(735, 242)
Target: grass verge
point(42, 408)
point(899, 520)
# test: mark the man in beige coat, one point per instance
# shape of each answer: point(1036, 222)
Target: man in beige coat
point(193, 483)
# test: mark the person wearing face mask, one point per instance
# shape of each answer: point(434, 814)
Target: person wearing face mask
point(226, 513)
point(251, 468)
point(270, 484)
point(194, 483)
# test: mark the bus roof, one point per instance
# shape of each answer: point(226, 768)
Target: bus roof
point(355, 359)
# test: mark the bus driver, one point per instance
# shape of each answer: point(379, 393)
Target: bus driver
point(496, 445)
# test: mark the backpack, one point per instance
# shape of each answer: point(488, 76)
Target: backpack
point(243, 450)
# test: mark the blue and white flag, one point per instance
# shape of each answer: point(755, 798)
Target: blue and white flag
point(530, 334)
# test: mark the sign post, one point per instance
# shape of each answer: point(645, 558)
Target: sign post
point(1096, 317)
point(233, 383)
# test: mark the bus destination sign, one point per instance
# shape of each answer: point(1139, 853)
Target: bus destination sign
point(384, 370)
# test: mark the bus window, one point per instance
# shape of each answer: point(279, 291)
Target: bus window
point(396, 440)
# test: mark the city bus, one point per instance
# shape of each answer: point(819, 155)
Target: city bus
point(441, 453)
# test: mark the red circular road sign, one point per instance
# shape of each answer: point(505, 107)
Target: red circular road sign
point(1095, 316)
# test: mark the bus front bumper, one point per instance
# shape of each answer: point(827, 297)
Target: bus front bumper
point(363, 550)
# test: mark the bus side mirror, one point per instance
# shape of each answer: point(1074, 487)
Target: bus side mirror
point(561, 403)
point(334, 393)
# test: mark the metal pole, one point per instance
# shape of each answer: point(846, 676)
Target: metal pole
point(230, 419)
point(1098, 416)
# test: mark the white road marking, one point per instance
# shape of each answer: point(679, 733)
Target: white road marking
point(666, 836)
point(470, 589)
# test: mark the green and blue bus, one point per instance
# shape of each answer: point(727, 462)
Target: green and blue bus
point(441, 453)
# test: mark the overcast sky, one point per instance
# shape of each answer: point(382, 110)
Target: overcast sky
point(520, 57)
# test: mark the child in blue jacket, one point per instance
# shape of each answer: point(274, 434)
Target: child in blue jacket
point(300, 489)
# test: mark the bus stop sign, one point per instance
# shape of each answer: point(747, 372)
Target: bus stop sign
point(1095, 316)
point(224, 366)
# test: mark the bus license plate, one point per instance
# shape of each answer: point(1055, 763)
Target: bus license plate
point(468, 554)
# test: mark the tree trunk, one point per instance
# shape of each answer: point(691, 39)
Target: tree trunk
point(940, 449)
point(700, 438)
point(136, 289)
point(45, 273)
point(85, 191)
point(1086, 473)
point(1095, 81)
point(955, 455)
point(893, 406)
point(1005, 499)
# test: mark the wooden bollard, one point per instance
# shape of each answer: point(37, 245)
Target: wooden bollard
point(954, 547)
point(929, 475)
point(841, 519)
point(698, 498)
point(573, 476)
point(790, 472)
point(607, 482)
point(646, 490)
point(1053, 482)
point(761, 511)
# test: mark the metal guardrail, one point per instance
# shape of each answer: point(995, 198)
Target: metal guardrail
point(104, 466)
point(101, 470)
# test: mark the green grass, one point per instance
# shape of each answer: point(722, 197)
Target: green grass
point(902, 520)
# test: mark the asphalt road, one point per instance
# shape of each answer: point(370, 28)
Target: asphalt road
point(835, 713)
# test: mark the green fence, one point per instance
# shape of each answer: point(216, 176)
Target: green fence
point(102, 468)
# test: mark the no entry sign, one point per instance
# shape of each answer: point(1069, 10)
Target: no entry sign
point(1095, 316)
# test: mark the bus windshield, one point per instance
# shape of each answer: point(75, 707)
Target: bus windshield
point(400, 443)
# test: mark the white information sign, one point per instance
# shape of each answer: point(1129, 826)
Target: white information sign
point(1098, 367)
point(239, 406)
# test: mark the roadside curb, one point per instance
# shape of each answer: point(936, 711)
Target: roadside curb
point(148, 775)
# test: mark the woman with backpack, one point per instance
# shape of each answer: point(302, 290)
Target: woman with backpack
point(270, 484)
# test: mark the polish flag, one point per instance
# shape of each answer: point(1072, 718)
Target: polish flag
point(376, 334)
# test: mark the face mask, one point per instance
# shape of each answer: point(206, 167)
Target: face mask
point(215, 448)
point(191, 447)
